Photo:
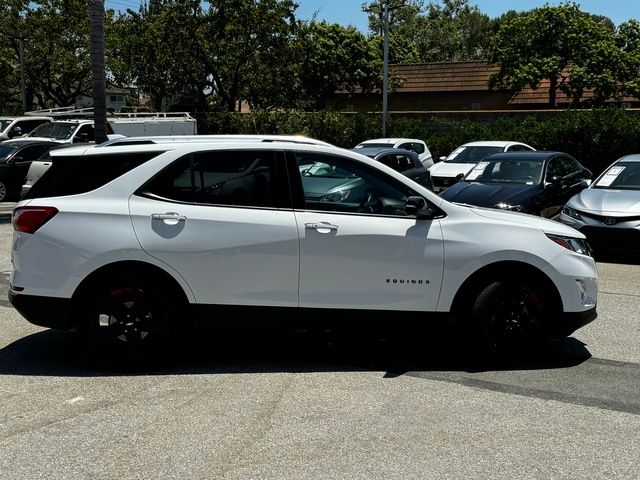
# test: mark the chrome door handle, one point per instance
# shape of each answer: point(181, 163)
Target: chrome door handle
point(168, 216)
point(322, 227)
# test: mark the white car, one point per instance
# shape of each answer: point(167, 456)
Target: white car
point(460, 162)
point(412, 144)
point(15, 127)
point(154, 235)
point(608, 212)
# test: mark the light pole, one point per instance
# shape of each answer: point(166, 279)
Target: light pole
point(383, 10)
point(385, 74)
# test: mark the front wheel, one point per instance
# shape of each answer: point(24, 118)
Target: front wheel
point(509, 317)
point(3, 191)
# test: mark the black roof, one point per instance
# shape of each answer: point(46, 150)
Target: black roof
point(24, 142)
point(373, 152)
point(530, 156)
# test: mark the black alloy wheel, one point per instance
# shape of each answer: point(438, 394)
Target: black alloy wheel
point(509, 317)
point(129, 317)
point(3, 191)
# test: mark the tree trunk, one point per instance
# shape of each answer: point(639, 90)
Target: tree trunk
point(98, 76)
point(553, 89)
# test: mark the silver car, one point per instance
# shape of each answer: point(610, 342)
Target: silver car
point(608, 212)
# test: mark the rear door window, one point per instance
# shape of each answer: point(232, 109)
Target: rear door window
point(246, 178)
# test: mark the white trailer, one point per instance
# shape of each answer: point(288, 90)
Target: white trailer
point(131, 124)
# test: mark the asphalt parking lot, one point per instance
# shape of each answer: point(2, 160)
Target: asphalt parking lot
point(318, 406)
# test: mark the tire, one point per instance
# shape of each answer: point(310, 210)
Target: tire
point(130, 318)
point(3, 191)
point(508, 317)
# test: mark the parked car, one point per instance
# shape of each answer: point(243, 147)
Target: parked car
point(539, 183)
point(15, 159)
point(128, 243)
point(459, 162)
point(608, 212)
point(69, 131)
point(406, 162)
point(412, 144)
point(14, 127)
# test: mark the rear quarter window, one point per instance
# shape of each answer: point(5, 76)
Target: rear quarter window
point(72, 175)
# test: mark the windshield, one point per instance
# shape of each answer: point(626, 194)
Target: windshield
point(321, 169)
point(4, 123)
point(6, 150)
point(471, 154)
point(59, 131)
point(374, 145)
point(528, 172)
point(622, 176)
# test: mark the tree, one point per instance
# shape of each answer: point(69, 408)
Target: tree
point(452, 30)
point(573, 50)
point(99, 82)
point(216, 57)
point(333, 57)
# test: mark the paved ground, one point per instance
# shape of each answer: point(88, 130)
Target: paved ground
point(316, 407)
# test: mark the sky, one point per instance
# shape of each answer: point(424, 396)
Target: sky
point(349, 12)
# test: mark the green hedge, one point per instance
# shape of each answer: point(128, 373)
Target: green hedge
point(595, 137)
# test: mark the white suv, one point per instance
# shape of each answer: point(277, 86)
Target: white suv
point(282, 231)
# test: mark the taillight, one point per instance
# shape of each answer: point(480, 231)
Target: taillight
point(30, 219)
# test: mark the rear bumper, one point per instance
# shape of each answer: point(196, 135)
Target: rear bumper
point(50, 312)
point(569, 322)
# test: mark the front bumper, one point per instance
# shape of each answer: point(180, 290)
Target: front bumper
point(49, 312)
point(569, 322)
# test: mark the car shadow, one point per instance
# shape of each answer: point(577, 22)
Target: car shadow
point(627, 258)
point(56, 353)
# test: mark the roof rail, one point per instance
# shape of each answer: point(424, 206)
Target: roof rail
point(73, 112)
point(61, 112)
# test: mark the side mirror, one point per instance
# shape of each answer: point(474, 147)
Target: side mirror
point(587, 182)
point(441, 159)
point(555, 182)
point(418, 206)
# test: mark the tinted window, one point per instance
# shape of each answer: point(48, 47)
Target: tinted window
point(6, 150)
point(418, 148)
point(81, 174)
point(86, 133)
point(400, 163)
point(32, 152)
point(336, 184)
point(238, 178)
point(561, 167)
point(507, 170)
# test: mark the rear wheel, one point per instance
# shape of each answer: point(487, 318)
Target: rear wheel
point(3, 191)
point(509, 316)
point(129, 316)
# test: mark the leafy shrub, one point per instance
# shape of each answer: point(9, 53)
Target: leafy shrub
point(595, 137)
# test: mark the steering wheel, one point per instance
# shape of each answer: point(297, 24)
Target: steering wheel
point(369, 204)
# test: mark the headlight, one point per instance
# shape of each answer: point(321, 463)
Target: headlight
point(513, 208)
point(577, 245)
point(339, 196)
point(571, 212)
